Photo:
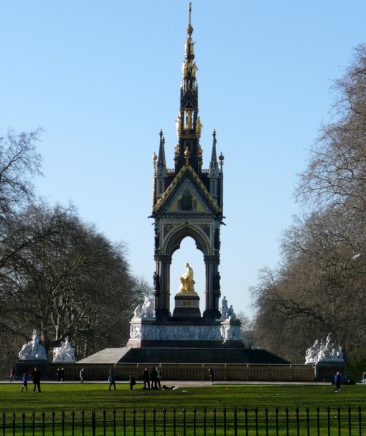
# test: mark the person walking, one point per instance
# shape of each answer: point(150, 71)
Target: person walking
point(82, 375)
point(112, 378)
point(146, 379)
point(158, 377)
point(337, 381)
point(36, 380)
point(25, 382)
point(211, 374)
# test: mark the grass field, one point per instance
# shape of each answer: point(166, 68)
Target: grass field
point(61, 396)
point(221, 409)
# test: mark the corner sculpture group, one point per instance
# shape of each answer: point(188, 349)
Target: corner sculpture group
point(34, 350)
point(322, 351)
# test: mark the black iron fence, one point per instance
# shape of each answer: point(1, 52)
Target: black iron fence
point(206, 422)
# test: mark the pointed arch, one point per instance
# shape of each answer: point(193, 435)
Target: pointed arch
point(173, 242)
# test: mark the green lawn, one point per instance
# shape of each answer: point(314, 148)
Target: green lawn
point(90, 409)
point(96, 396)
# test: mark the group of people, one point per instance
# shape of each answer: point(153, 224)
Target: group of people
point(152, 378)
point(60, 374)
point(36, 377)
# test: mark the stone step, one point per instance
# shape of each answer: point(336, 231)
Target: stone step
point(107, 356)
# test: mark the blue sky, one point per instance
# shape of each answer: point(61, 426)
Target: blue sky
point(102, 78)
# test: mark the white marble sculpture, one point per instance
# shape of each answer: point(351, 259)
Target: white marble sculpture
point(312, 352)
point(65, 353)
point(324, 352)
point(33, 350)
point(145, 310)
point(230, 331)
point(227, 312)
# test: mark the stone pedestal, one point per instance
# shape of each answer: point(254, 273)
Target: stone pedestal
point(187, 305)
point(230, 330)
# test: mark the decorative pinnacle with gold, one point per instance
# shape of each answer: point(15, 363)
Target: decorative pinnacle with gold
point(187, 155)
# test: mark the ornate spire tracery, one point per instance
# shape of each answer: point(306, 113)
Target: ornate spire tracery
point(203, 187)
point(188, 121)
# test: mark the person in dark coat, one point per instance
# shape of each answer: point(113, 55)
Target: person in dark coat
point(211, 374)
point(154, 378)
point(36, 380)
point(337, 381)
point(112, 378)
point(25, 382)
point(146, 379)
point(132, 381)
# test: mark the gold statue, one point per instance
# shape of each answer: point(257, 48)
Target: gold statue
point(189, 120)
point(192, 69)
point(187, 282)
point(187, 155)
point(198, 126)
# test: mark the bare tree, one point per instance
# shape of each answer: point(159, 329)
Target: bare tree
point(319, 287)
point(57, 274)
point(19, 161)
point(336, 174)
point(73, 282)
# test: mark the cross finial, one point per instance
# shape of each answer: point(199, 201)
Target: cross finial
point(190, 28)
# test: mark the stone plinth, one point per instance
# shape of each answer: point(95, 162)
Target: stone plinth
point(187, 305)
point(230, 330)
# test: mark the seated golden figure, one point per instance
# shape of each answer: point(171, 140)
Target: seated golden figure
point(187, 282)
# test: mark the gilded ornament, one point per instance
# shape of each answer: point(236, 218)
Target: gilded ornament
point(189, 120)
point(198, 126)
point(187, 282)
point(187, 154)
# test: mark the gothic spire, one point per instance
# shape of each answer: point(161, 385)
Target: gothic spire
point(214, 165)
point(161, 158)
point(190, 28)
point(188, 122)
point(189, 67)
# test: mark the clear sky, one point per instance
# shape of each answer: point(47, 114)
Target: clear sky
point(102, 78)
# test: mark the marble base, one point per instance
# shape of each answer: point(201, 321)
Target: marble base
point(217, 332)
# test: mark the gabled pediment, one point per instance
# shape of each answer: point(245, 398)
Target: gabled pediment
point(187, 194)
